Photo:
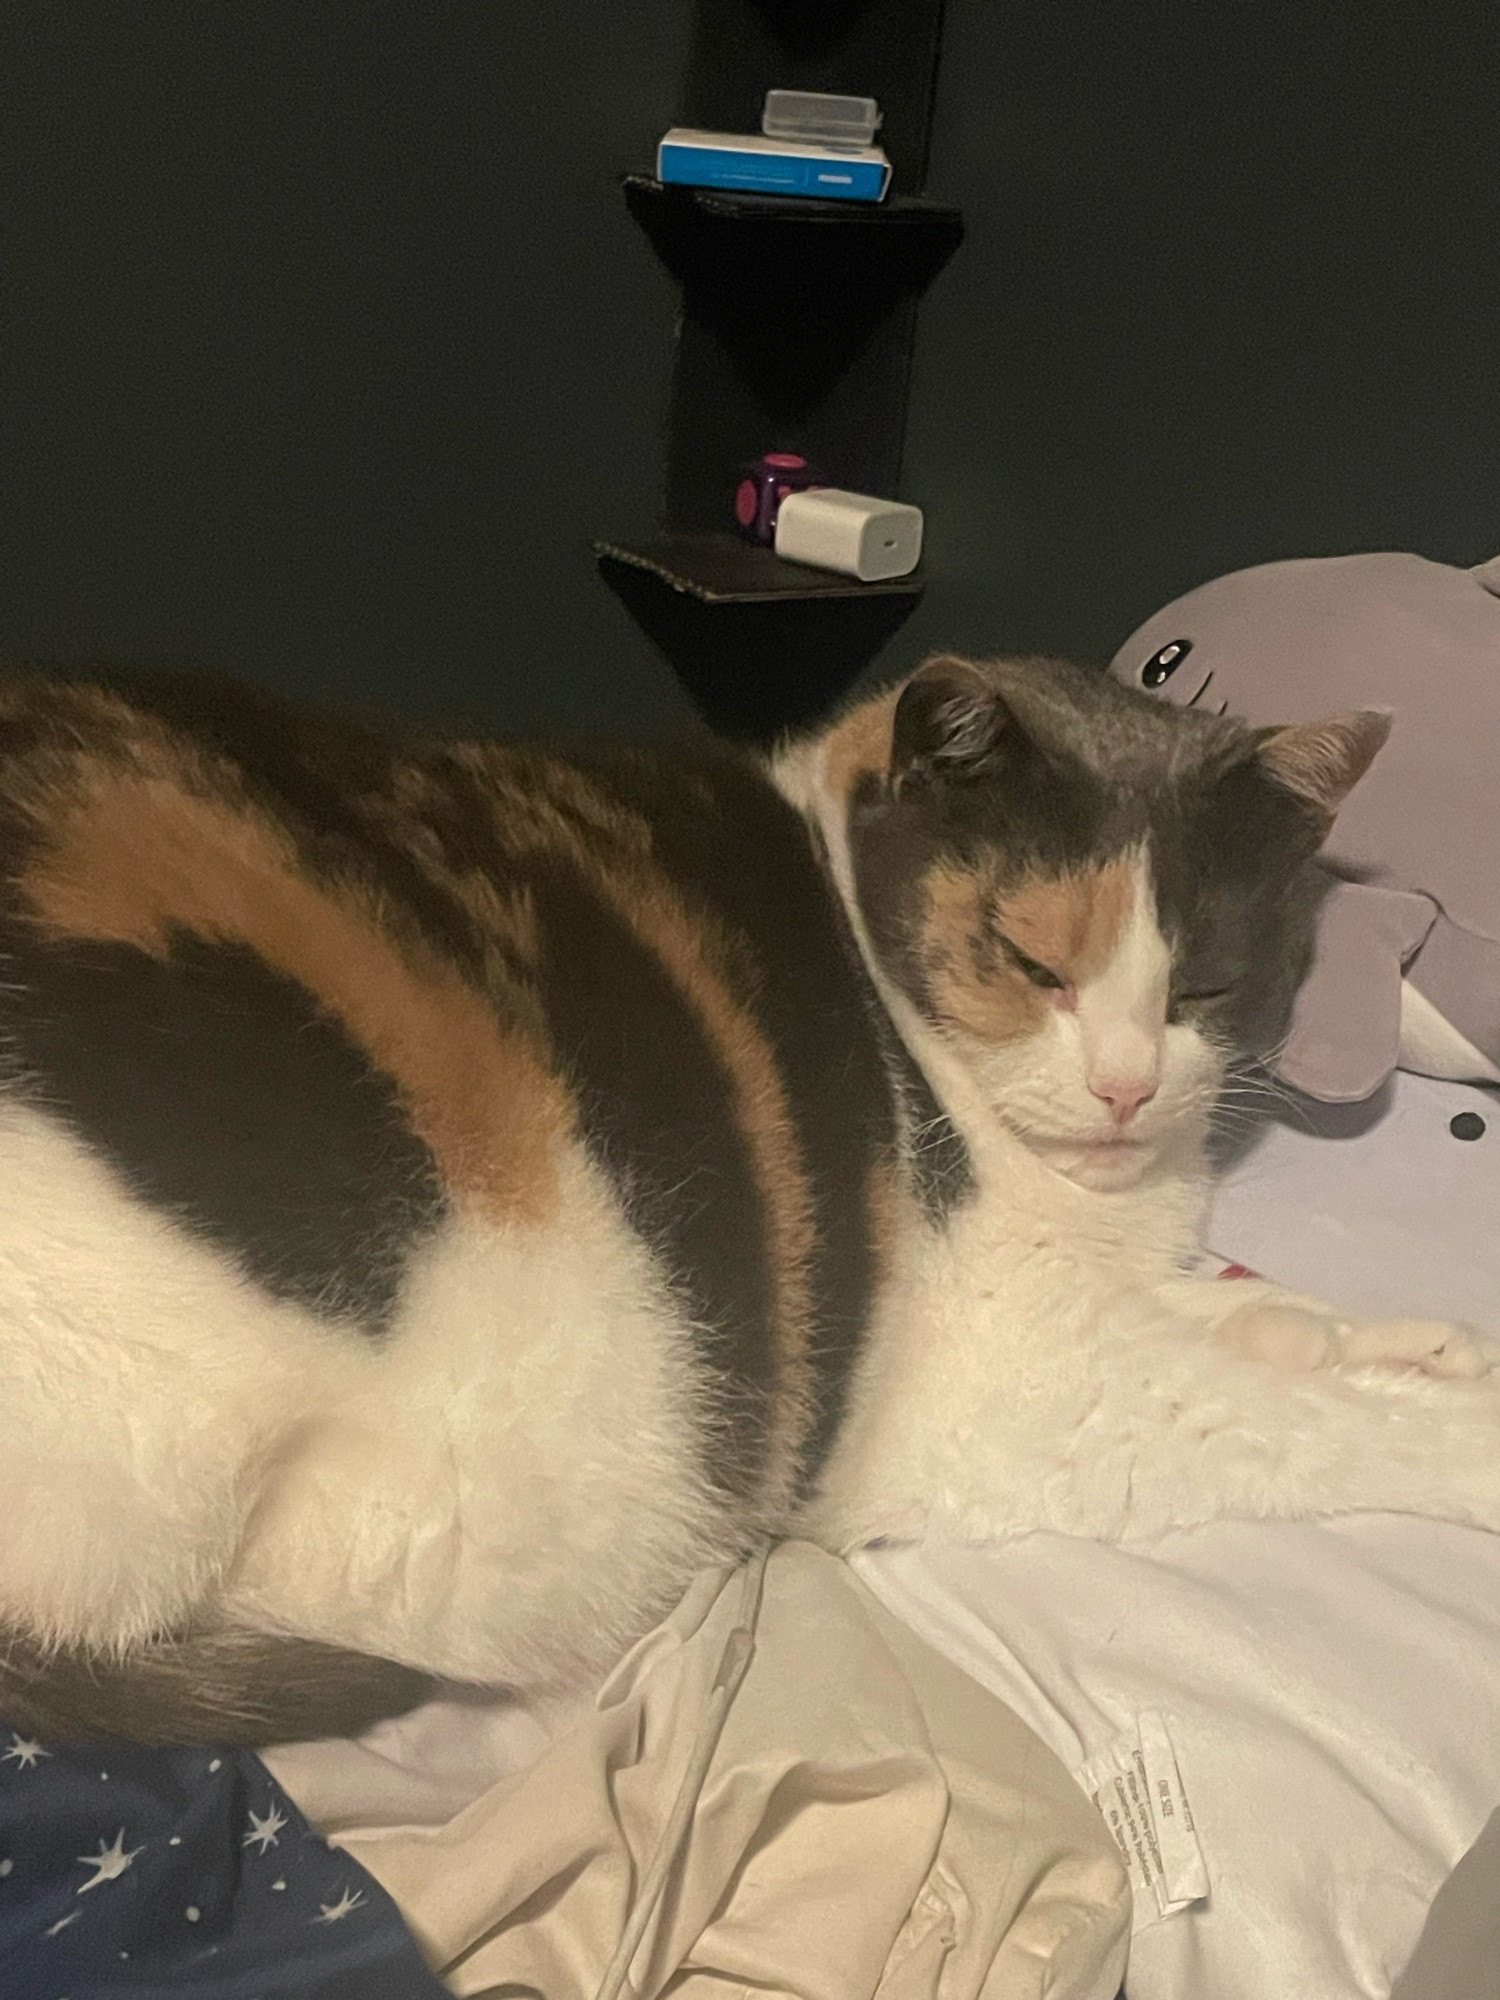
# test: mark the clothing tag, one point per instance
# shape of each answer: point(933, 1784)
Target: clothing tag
point(1209, 1264)
point(1138, 1788)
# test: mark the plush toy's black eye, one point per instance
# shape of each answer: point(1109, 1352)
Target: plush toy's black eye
point(1162, 665)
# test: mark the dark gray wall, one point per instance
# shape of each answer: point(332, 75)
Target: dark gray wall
point(329, 345)
point(1231, 291)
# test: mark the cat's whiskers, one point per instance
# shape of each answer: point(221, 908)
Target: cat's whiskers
point(1253, 1089)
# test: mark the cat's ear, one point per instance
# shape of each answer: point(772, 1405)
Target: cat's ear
point(1320, 763)
point(948, 721)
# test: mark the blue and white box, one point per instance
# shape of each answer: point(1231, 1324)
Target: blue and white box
point(750, 163)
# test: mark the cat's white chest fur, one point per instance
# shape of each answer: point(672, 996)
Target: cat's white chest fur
point(1010, 1308)
point(1045, 1362)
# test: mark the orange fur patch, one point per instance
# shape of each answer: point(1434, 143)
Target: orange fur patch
point(995, 1005)
point(686, 946)
point(860, 743)
point(1070, 924)
point(137, 852)
point(889, 1208)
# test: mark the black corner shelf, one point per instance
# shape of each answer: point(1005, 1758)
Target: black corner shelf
point(761, 645)
point(724, 569)
point(645, 195)
point(786, 305)
point(704, 235)
point(795, 334)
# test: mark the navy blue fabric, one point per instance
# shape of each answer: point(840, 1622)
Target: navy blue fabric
point(132, 1874)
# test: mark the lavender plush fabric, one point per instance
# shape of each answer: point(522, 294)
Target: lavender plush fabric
point(1415, 854)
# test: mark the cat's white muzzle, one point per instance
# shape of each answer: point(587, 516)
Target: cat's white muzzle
point(1117, 1160)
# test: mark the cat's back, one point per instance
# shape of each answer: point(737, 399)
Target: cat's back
point(545, 1075)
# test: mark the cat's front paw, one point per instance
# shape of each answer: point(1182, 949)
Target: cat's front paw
point(1295, 1337)
point(1285, 1336)
point(1436, 1346)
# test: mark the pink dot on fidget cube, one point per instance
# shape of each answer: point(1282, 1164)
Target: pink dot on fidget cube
point(744, 502)
point(785, 458)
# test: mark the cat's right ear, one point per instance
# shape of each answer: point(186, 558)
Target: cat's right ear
point(948, 721)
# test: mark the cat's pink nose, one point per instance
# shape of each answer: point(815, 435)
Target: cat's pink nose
point(1124, 1097)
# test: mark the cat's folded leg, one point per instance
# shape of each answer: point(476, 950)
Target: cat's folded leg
point(1290, 1330)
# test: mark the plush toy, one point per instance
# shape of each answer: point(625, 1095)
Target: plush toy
point(1407, 969)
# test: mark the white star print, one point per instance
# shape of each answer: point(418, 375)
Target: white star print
point(110, 1862)
point(331, 1913)
point(24, 1751)
point(263, 1830)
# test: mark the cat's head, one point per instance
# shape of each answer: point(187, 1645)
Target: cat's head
point(1097, 902)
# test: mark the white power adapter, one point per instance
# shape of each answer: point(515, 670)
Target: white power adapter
point(851, 532)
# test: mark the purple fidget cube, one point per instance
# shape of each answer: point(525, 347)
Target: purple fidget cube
point(763, 486)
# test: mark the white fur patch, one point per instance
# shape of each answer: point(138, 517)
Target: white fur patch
point(500, 1493)
point(497, 1491)
point(143, 1387)
point(1122, 1012)
point(1066, 1381)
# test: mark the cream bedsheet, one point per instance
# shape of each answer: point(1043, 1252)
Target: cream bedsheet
point(874, 1823)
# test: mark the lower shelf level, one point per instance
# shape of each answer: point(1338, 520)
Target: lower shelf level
point(724, 569)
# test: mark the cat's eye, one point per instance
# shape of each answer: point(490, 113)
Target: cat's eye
point(1037, 973)
point(1197, 996)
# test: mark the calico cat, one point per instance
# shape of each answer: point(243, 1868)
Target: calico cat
point(454, 1191)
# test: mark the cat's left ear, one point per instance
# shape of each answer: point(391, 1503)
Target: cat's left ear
point(948, 721)
point(1320, 763)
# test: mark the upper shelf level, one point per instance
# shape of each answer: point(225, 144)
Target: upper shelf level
point(713, 239)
